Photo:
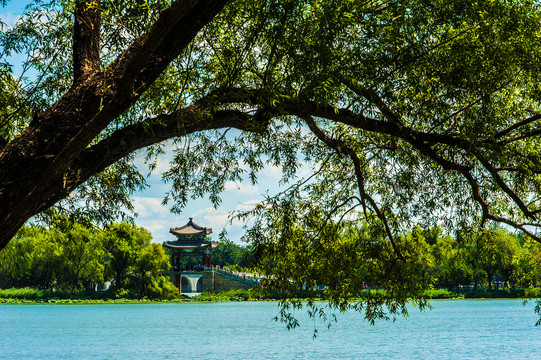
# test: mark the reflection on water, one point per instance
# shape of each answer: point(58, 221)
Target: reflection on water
point(472, 329)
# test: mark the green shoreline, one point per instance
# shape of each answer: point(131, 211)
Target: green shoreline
point(32, 296)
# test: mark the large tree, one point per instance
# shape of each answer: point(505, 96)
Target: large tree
point(410, 111)
point(68, 136)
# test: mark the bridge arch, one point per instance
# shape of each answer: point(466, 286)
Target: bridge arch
point(185, 285)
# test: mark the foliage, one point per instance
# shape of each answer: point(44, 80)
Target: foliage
point(442, 294)
point(527, 273)
point(80, 257)
point(411, 111)
point(297, 251)
point(147, 275)
point(229, 295)
point(32, 294)
point(357, 268)
point(122, 243)
point(228, 253)
point(70, 258)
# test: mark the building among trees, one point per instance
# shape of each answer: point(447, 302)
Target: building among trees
point(190, 275)
point(191, 241)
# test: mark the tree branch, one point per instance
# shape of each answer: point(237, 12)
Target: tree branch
point(123, 142)
point(341, 147)
point(149, 55)
point(372, 97)
point(503, 185)
point(86, 38)
point(521, 137)
point(421, 141)
point(517, 125)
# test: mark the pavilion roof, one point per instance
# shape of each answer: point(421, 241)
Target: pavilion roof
point(190, 245)
point(190, 229)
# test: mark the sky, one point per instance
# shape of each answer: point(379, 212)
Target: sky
point(237, 196)
point(157, 218)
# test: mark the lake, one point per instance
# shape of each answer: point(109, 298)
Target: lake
point(455, 329)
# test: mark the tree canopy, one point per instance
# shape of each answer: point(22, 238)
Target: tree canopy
point(76, 258)
point(409, 111)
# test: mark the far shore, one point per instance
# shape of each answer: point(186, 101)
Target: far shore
point(33, 296)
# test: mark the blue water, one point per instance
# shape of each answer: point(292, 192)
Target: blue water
point(471, 329)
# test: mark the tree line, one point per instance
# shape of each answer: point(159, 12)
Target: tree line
point(486, 258)
point(293, 241)
point(74, 257)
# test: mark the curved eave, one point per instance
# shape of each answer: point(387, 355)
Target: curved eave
point(190, 232)
point(185, 247)
point(212, 245)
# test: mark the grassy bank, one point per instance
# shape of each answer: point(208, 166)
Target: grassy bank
point(36, 296)
point(484, 294)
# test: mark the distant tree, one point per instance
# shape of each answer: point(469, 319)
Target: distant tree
point(80, 260)
point(510, 248)
point(527, 264)
point(148, 273)
point(492, 252)
point(73, 256)
point(122, 243)
point(451, 268)
point(17, 260)
point(230, 253)
point(46, 261)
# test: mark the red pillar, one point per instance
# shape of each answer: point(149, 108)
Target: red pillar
point(206, 260)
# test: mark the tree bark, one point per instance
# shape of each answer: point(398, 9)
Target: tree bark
point(86, 39)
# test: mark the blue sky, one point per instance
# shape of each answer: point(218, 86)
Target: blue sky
point(237, 196)
point(156, 217)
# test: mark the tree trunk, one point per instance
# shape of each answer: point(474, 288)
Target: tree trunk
point(38, 167)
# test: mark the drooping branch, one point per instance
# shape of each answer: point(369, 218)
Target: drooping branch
point(86, 38)
point(372, 97)
point(341, 147)
point(476, 194)
point(421, 141)
point(501, 183)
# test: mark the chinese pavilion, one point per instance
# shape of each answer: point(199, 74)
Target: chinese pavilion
point(191, 241)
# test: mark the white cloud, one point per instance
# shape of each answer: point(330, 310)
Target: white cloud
point(211, 217)
point(9, 19)
point(162, 164)
point(271, 172)
point(241, 188)
point(158, 227)
point(149, 206)
point(248, 205)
